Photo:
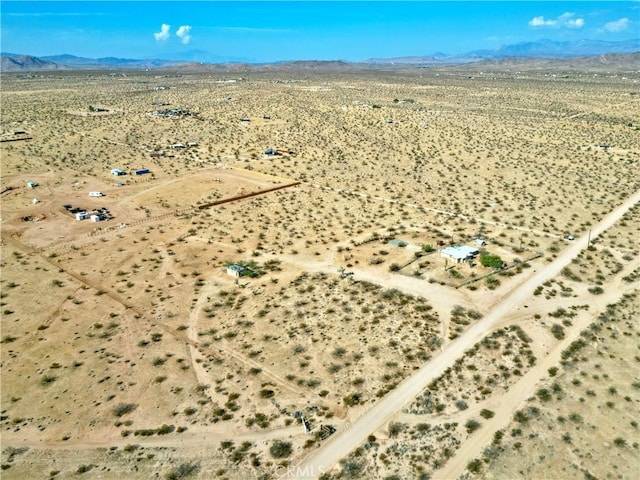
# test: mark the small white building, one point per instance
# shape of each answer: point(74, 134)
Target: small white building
point(35, 201)
point(117, 172)
point(459, 253)
point(235, 271)
point(96, 218)
point(82, 216)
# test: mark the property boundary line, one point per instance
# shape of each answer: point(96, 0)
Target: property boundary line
point(509, 267)
point(246, 195)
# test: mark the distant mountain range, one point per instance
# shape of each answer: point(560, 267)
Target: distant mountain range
point(541, 50)
point(13, 62)
point(19, 63)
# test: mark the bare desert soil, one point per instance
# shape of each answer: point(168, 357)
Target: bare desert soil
point(129, 352)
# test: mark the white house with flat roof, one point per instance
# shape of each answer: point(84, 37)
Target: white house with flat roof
point(459, 253)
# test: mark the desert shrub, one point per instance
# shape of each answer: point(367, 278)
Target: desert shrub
point(492, 282)
point(486, 413)
point(84, 469)
point(396, 428)
point(47, 379)
point(266, 393)
point(334, 368)
point(475, 466)
point(521, 417)
point(352, 468)
point(575, 417)
point(339, 352)
point(124, 408)
point(619, 442)
point(544, 395)
point(568, 273)
point(573, 348)
point(280, 449)
point(165, 429)
point(472, 425)
point(183, 470)
point(353, 399)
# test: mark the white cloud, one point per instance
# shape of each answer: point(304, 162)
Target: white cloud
point(541, 22)
point(577, 23)
point(163, 34)
point(184, 34)
point(617, 26)
point(566, 20)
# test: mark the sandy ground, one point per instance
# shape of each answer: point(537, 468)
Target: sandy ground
point(128, 351)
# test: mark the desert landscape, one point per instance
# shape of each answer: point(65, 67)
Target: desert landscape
point(251, 272)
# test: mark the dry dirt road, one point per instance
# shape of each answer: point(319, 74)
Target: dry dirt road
point(512, 400)
point(443, 298)
point(337, 447)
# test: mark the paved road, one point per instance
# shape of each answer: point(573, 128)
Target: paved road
point(339, 446)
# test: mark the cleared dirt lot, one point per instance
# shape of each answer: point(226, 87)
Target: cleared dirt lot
point(131, 352)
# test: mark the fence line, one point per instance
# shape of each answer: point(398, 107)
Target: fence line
point(246, 195)
point(509, 267)
point(60, 246)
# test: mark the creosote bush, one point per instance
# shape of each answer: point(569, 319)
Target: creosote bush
point(280, 449)
point(124, 408)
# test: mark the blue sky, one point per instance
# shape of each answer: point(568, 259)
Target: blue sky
point(270, 31)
